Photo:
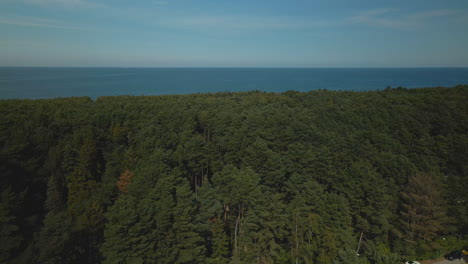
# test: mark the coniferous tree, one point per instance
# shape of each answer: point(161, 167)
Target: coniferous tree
point(188, 246)
point(124, 180)
point(10, 239)
point(56, 240)
point(55, 194)
point(423, 213)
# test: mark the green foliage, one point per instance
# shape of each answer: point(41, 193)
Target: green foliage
point(156, 229)
point(350, 256)
point(380, 253)
point(235, 177)
point(56, 240)
point(10, 239)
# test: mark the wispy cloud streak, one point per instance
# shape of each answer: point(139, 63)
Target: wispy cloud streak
point(393, 18)
point(39, 22)
point(64, 3)
point(383, 17)
point(244, 23)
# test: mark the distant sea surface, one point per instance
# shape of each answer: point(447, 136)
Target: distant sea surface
point(25, 82)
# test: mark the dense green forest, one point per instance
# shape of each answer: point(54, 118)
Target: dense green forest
point(249, 177)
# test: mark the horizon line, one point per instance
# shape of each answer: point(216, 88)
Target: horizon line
point(244, 67)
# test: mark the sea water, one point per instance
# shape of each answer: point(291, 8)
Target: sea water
point(43, 82)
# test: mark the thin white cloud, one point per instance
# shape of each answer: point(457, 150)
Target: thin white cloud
point(39, 22)
point(434, 13)
point(382, 17)
point(393, 18)
point(64, 3)
point(243, 22)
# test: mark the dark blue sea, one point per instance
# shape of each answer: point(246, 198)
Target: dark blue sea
point(24, 82)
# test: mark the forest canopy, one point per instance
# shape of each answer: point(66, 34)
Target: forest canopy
point(296, 177)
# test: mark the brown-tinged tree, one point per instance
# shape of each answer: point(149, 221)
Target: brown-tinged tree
point(423, 214)
point(124, 181)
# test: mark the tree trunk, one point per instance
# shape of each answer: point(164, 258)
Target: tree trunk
point(235, 231)
point(297, 241)
point(226, 209)
point(359, 244)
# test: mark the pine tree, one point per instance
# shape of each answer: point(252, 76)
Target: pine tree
point(423, 213)
point(124, 181)
point(123, 233)
point(55, 239)
point(219, 243)
point(304, 218)
point(188, 245)
point(211, 220)
point(239, 190)
point(10, 239)
point(140, 230)
point(55, 194)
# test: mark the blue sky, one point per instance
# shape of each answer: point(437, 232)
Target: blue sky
point(242, 33)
